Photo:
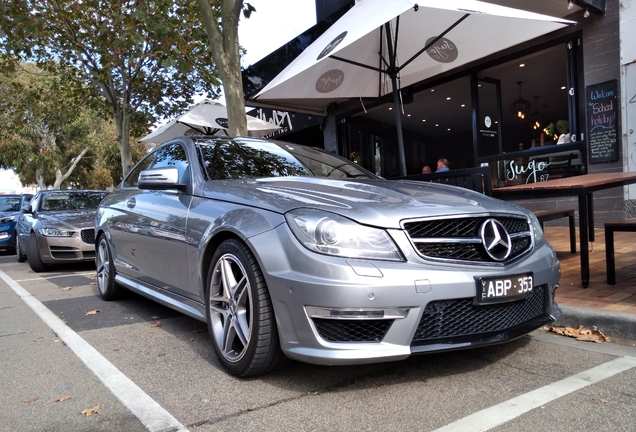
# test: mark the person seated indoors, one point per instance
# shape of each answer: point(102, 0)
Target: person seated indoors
point(426, 169)
point(442, 165)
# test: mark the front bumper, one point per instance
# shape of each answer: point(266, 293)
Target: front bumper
point(7, 235)
point(59, 250)
point(345, 311)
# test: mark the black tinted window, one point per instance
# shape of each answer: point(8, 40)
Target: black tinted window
point(172, 156)
point(245, 159)
point(10, 204)
point(133, 176)
point(63, 201)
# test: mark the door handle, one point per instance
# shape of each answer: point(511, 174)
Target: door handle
point(131, 203)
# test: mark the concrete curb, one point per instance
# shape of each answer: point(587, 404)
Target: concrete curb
point(619, 325)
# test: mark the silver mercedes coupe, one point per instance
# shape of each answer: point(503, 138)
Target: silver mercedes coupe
point(290, 252)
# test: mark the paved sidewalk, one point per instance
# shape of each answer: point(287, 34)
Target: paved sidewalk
point(611, 308)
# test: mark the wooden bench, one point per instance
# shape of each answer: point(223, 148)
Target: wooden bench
point(625, 225)
point(548, 215)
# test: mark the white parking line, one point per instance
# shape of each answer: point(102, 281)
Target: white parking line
point(149, 412)
point(499, 414)
point(57, 276)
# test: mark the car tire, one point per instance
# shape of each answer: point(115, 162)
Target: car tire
point(19, 252)
point(239, 313)
point(108, 288)
point(33, 256)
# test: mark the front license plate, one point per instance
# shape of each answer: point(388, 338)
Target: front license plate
point(504, 289)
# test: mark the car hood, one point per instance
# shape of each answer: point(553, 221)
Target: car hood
point(4, 214)
point(68, 220)
point(373, 202)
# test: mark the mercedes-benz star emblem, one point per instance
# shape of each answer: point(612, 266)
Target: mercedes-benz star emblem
point(496, 240)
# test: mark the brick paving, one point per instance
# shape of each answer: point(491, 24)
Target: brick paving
point(599, 295)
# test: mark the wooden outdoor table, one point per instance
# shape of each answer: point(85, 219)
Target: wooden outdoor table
point(582, 187)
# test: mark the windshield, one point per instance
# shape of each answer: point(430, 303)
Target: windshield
point(257, 159)
point(64, 201)
point(10, 204)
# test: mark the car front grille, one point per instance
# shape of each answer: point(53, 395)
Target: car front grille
point(459, 239)
point(63, 255)
point(90, 254)
point(352, 330)
point(88, 236)
point(447, 319)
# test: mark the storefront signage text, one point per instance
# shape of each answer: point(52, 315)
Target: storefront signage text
point(279, 118)
point(532, 171)
point(443, 51)
point(329, 81)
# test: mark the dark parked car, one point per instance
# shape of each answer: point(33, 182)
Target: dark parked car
point(10, 208)
point(58, 227)
point(288, 251)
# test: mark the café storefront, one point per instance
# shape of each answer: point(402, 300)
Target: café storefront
point(545, 109)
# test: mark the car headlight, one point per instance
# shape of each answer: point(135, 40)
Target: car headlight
point(539, 238)
point(330, 234)
point(54, 232)
point(6, 219)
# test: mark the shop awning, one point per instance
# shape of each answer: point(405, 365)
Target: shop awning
point(380, 46)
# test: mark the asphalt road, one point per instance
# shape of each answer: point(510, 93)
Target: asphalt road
point(135, 365)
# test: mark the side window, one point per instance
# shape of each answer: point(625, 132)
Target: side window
point(133, 176)
point(173, 155)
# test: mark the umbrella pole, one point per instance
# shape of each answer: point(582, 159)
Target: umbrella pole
point(398, 125)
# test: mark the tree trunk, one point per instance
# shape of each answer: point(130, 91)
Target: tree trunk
point(59, 177)
point(39, 178)
point(122, 126)
point(224, 44)
point(234, 99)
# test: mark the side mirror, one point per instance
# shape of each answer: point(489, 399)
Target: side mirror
point(160, 178)
point(27, 209)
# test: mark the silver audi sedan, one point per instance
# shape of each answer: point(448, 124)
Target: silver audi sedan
point(290, 252)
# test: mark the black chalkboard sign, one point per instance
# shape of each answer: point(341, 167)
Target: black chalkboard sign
point(602, 125)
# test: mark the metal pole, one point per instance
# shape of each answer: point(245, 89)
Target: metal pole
point(398, 125)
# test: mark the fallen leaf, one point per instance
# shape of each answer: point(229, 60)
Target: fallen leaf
point(93, 283)
point(67, 288)
point(60, 399)
point(581, 333)
point(93, 276)
point(604, 401)
point(155, 317)
point(33, 399)
point(90, 411)
point(93, 312)
point(157, 324)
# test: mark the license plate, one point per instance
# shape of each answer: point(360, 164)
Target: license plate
point(504, 288)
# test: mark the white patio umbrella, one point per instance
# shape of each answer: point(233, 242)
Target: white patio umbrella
point(208, 117)
point(379, 46)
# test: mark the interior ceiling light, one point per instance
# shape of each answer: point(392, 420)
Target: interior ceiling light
point(448, 98)
point(521, 106)
point(562, 87)
point(423, 120)
point(522, 65)
point(462, 105)
point(537, 117)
